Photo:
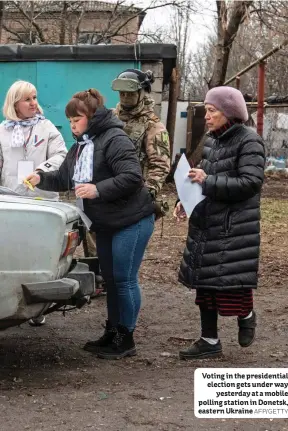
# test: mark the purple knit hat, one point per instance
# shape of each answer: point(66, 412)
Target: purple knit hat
point(229, 101)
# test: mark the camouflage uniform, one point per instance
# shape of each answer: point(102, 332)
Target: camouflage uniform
point(151, 141)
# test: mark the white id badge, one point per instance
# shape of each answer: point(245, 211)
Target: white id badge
point(25, 168)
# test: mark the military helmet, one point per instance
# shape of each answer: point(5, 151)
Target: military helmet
point(133, 80)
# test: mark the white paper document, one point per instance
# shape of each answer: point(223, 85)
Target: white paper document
point(7, 191)
point(25, 167)
point(86, 220)
point(190, 194)
point(80, 209)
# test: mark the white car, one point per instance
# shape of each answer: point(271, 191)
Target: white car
point(37, 271)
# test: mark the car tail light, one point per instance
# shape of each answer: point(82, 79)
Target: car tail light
point(72, 241)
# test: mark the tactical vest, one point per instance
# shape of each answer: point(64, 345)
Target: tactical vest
point(136, 129)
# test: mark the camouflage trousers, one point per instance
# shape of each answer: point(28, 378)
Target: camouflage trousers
point(90, 239)
point(91, 243)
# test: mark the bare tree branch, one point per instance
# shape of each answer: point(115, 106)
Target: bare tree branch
point(31, 19)
point(2, 9)
point(19, 38)
point(108, 32)
point(62, 18)
point(227, 31)
point(77, 30)
point(62, 32)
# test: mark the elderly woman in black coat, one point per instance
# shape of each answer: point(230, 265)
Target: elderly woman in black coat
point(222, 251)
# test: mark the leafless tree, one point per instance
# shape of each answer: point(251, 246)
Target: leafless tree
point(63, 26)
point(200, 67)
point(212, 58)
point(230, 16)
point(2, 5)
point(65, 20)
point(253, 40)
point(178, 30)
point(180, 27)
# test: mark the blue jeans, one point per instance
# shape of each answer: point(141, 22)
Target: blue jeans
point(120, 255)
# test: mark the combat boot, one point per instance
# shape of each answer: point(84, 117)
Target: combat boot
point(122, 345)
point(104, 340)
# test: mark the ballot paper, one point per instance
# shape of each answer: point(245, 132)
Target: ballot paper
point(86, 220)
point(190, 194)
point(7, 191)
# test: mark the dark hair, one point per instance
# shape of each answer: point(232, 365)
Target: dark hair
point(84, 102)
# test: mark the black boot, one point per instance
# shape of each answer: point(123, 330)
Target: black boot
point(107, 337)
point(201, 349)
point(246, 334)
point(122, 345)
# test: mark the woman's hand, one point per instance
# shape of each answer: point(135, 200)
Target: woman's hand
point(33, 179)
point(197, 175)
point(86, 191)
point(179, 212)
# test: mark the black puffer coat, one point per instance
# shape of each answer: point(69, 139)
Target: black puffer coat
point(124, 200)
point(222, 249)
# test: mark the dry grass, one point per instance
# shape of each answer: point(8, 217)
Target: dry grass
point(274, 212)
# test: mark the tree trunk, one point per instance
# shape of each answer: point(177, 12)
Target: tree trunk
point(2, 8)
point(63, 22)
point(172, 107)
point(226, 32)
point(31, 19)
point(77, 30)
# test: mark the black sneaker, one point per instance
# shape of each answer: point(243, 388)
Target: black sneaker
point(246, 334)
point(122, 345)
point(107, 337)
point(201, 349)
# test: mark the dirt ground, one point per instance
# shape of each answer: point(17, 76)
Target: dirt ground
point(47, 382)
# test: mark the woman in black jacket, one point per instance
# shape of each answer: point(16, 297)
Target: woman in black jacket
point(104, 169)
point(222, 251)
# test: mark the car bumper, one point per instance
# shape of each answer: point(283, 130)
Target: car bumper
point(78, 283)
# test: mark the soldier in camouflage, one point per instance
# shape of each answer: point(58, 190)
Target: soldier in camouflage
point(149, 135)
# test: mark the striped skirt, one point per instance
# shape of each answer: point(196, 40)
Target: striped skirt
point(228, 303)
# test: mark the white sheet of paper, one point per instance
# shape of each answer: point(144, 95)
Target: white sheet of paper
point(7, 191)
point(86, 220)
point(190, 194)
point(25, 167)
point(79, 204)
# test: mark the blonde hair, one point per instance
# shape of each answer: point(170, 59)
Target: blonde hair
point(16, 92)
